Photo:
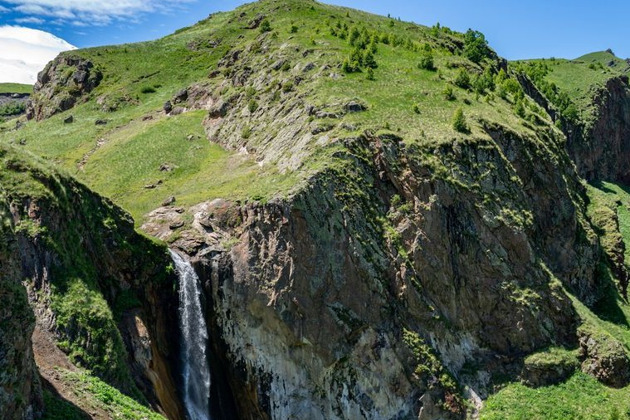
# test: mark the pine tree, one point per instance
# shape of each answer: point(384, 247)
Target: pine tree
point(459, 121)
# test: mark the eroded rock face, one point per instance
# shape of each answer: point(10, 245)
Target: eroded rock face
point(605, 358)
point(601, 148)
point(361, 295)
point(62, 83)
point(55, 234)
point(20, 388)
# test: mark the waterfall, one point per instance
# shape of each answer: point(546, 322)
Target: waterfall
point(195, 339)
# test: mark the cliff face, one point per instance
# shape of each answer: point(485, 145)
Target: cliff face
point(93, 284)
point(601, 148)
point(60, 85)
point(20, 389)
point(372, 292)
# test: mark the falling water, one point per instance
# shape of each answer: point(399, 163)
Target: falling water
point(195, 338)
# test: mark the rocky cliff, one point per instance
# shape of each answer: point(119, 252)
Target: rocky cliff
point(600, 148)
point(94, 285)
point(372, 292)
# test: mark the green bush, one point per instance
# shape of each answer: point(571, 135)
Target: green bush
point(519, 109)
point(287, 87)
point(252, 106)
point(448, 93)
point(370, 74)
point(459, 121)
point(293, 29)
point(511, 86)
point(265, 26)
point(246, 132)
point(463, 79)
point(369, 61)
point(426, 61)
point(12, 108)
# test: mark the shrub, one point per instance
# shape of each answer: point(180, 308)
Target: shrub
point(354, 36)
point(426, 61)
point(512, 86)
point(459, 121)
point(247, 132)
point(369, 61)
point(370, 74)
point(463, 79)
point(293, 29)
point(265, 26)
point(147, 89)
point(448, 93)
point(252, 106)
point(416, 108)
point(12, 108)
point(287, 87)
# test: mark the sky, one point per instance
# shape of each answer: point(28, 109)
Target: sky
point(515, 29)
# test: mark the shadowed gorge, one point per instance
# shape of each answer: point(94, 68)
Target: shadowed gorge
point(367, 218)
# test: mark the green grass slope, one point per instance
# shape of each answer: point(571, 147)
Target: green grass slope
point(570, 84)
point(15, 88)
point(122, 157)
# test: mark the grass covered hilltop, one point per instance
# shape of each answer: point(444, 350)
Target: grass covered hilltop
point(392, 221)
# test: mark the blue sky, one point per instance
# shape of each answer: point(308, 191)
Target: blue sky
point(530, 29)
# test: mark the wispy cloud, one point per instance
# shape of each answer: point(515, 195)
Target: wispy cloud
point(31, 19)
point(93, 12)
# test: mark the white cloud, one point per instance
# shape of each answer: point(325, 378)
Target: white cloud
point(31, 19)
point(24, 52)
point(94, 12)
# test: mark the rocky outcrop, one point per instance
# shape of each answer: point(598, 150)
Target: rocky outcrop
point(64, 81)
point(600, 148)
point(367, 293)
point(92, 283)
point(605, 358)
point(20, 389)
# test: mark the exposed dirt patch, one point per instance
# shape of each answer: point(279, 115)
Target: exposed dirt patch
point(51, 362)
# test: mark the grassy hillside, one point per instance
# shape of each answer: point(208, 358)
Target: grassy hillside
point(311, 41)
point(572, 83)
point(15, 88)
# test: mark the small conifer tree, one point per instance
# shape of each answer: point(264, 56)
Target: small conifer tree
point(459, 121)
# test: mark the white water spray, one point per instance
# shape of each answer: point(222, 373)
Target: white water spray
point(195, 340)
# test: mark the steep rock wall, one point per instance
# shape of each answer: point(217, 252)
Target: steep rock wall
point(20, 389)
point(371, 292)
point(601, 147)
point(92, 282)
